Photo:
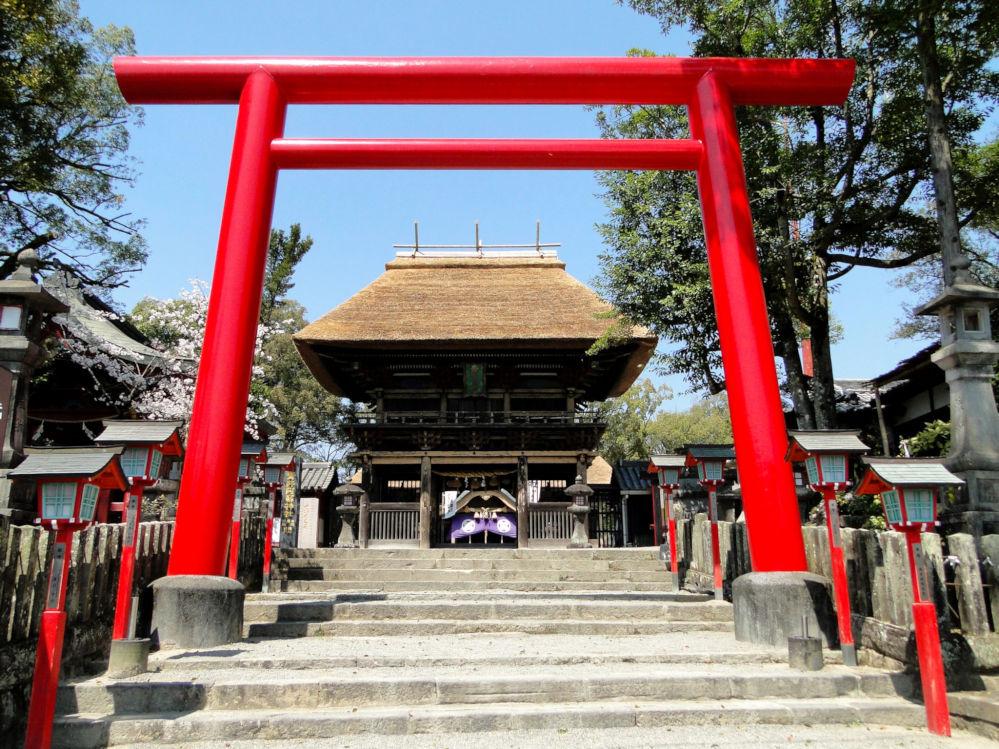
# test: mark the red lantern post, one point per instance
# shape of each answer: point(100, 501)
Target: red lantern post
point(710, 463)
point(826, 455)
point(145, 444)
point(668, 468)
point(908, 488)
point(274, 470)
point(68, 484)
point(251, 454)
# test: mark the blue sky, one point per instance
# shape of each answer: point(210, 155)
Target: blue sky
point(356, 216)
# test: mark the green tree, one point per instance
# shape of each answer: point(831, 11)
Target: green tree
point(637, 426)
point(64, 142)
point(308, 418)
point(832, 189)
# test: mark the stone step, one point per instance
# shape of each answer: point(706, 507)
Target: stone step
point(528, 585)
point(536, 651)
point(747, 736)
point(648, 552)
point(446, 627)
point(477, 575)
point(264, 690)
point(581, 565)
point(476, 596)
point(315, 611)
point(83, 731)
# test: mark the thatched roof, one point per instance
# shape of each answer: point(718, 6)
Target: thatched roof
point(453, 302)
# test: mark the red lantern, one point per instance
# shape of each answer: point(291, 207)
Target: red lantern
point(710, 463)
point(251, 455)
point(668, 468)
point(274, 470)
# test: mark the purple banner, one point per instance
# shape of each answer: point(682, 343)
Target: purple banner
point(464, 525)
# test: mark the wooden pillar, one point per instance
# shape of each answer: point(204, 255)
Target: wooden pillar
point(506, 401)
point(426, 503)
point(523, 523)
point(582, 463)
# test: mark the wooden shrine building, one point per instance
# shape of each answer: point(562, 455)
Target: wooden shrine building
point(478, 383)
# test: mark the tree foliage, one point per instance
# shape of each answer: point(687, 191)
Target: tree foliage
point(637, 425)
point(832, 188)
point(64, 142)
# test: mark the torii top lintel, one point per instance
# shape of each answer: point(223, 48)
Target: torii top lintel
point(484, 80)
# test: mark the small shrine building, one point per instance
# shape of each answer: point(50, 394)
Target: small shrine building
point(479, 381)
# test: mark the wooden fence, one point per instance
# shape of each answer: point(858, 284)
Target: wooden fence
point(90, 597)
point(394, 524)
point(963, 576)
point(550, 524)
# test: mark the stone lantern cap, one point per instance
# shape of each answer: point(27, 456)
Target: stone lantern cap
point(98, 465)
point(801, 444)
point(164, 434)
point(695, 453)
point(959, 293)
point(348, 490)
point(22, 284)
point(884, 474)
point(579, 489)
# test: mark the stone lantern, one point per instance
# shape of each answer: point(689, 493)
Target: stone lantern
point(350, 505)
point(25, 308)
point(580, 495)
point(968, 355)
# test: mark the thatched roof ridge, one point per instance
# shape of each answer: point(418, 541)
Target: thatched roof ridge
point(468, 299)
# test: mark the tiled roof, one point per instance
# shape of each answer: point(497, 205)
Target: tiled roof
point(631, 476)
point(152, 432)
point(64, 462)
point(912, 472)
point(317, 477)
point(829, 440)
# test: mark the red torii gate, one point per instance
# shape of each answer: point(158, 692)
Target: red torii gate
point(710, 88)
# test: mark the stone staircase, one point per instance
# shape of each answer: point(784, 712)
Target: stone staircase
point(571, 662)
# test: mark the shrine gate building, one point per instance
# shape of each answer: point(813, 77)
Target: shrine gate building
point(479, 380)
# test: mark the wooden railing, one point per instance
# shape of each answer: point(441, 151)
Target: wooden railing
point(479, 417)
point(549, 524)
point(393, 524)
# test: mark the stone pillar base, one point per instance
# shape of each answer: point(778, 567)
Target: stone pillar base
point(769, 606)
point(197, 611)
point(129, 657)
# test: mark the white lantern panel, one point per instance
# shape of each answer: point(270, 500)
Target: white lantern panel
point(272, 475)
point(711, 470)
point(893, 507)
point(671, 476)
point(89, 501)
point(919, 505)
point(10, 317)
point(156, 464)
point(133, 461)
point(833, 469)
point(58, 499)
point(811, 465)
point(244, 467)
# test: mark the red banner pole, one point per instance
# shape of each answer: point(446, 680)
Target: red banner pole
point(671, 524)
point(271, 500)
point(48, 654)
point(841, 590)
point(924, 618)
point(126, 570)
point(715, 543)
point(769, 500)
point(223, 385)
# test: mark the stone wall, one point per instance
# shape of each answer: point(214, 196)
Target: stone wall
point(90, 598)
point(962, 573)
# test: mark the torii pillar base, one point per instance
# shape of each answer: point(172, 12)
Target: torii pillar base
point(197, 611)
point(769, 606)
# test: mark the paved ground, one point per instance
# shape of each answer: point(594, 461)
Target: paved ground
point(722, 737)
